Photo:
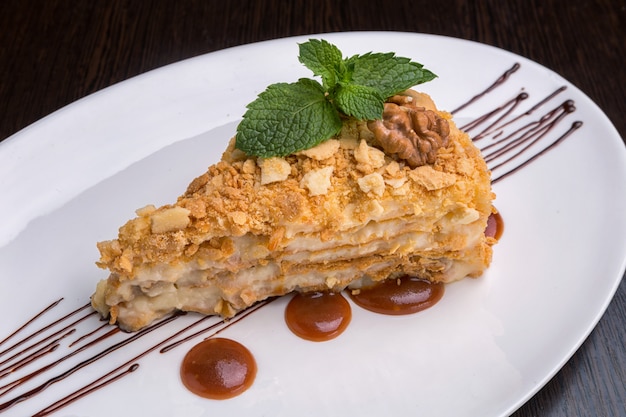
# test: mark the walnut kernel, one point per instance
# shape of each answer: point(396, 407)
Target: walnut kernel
point(414, 133)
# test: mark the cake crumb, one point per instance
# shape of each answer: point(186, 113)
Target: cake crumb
point(431, 179)
point(274, 169)
point(146, 210)
point(368, 157)
point(318, 181)
point(373, 182)
point(322, 151)
point(169, 220)
point(239, 217)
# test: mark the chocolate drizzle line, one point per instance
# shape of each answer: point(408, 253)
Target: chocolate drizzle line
point(48, 348)
point(529, 131)
point(22, 327)
point(43, 329)
point(496, 130)
point(91, 333)
point(113, 375)
point(23, 351)
point(34, 391)
point(12, 385)
point(575, 125)
point(509, 106)
point(88, 389)
point(505, 76)
point(511, 146)
point(228, 323)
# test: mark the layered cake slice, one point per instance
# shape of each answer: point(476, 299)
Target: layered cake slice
point(405, 194)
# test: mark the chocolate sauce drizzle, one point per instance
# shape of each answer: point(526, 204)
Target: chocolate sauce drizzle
point(505, 154)
point(49, 344)
point(511, 138)
point(496, 84)
point(41, 313)
point(131, 365)
point(43, 329)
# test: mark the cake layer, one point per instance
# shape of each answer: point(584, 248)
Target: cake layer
point(156, 293)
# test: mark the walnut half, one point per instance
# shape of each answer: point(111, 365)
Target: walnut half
point(414, 133)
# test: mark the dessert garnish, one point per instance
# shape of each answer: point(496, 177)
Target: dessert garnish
point(290, 117)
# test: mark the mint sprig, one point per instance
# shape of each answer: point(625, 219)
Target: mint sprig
point(290, 117)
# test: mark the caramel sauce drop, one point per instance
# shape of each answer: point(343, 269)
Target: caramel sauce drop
point(318, 316)
point(495, 226)
point(218, 369)
point(405, 295)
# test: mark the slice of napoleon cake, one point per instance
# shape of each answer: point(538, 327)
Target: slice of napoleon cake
point(408, 193)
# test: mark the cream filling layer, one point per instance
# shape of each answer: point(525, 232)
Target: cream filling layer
point(374, 252)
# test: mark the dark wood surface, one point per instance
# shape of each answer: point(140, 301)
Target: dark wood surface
point(53, 52)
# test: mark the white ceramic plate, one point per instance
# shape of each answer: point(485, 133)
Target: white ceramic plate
point(72, 178)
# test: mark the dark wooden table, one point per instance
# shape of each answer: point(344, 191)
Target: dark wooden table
point(53, 52)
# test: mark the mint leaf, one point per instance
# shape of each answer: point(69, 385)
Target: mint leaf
point(387, 73)
point(359, 101)
point(324, 59)
point(287, 118)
